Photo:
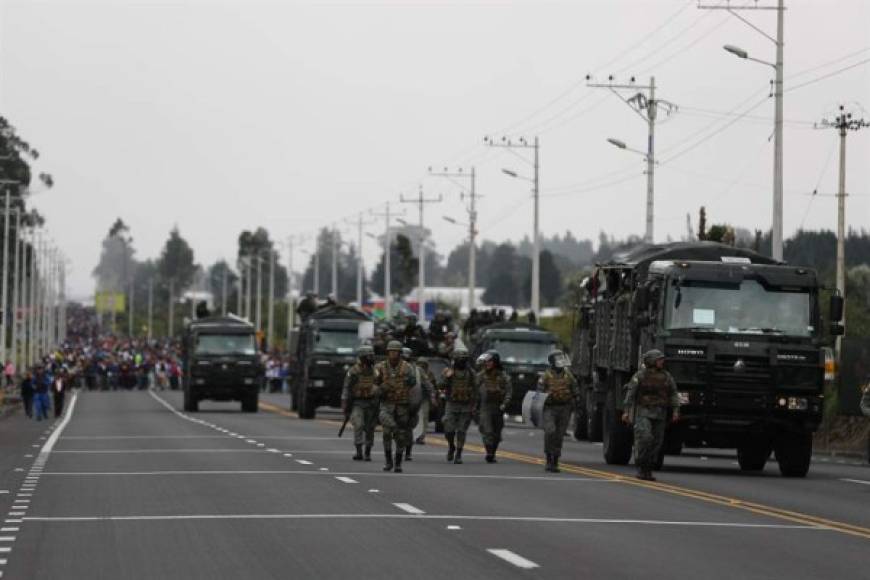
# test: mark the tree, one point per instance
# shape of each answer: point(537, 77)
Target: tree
point(216, 285)
point(504, 287)
point(403, 266)
point(346, 266)
point(117, 265)
point(551, 279)
point(176, 262)
point(258, 243)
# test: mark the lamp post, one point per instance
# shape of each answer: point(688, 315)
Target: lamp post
point(536, 255)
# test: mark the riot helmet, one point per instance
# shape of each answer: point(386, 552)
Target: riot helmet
point(651, 357)
point(366, 354)
point(558, 360)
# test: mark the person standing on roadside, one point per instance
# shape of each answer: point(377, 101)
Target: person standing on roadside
point(41, 386)
point(9, 373)
point(27, 393)
point(58, 391)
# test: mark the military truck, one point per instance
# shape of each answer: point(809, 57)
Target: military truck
point(523, 348)
point(325, 346)
point(221, 363)
point(742, 335)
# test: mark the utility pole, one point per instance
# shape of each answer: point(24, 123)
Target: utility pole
point(388, 298)
point(130, 330)
point(843, 123)
point(171, 306)
point(150, 308)
point(224, 289)
point(250, 279)
point(270, 332)
point(16, 295)
point(421, 202)
point(31, 323)
point(776, 222)
point(334, 251)
point(5, 303)
point(522, 143)
point(472, 223)
point(360, 223)
point(317, 267)
point(259, 313)
point(291, 307)
point(644, 100)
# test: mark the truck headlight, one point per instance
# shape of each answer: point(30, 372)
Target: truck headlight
point(684, 398)
point(317, 383)
point(797, 404)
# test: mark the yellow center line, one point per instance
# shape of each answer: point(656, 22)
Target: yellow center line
point(735, 503)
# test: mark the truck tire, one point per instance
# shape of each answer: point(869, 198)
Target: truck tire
point(307, 406)
point(250, 403)
point(594, 427)
point(191, 405)
point(752, 456)
point(618, 437)
point(794, 451)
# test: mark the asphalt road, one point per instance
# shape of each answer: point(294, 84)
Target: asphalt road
point(127, 486)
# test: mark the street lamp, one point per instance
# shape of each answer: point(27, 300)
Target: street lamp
point(776, 222)
point(536, 252)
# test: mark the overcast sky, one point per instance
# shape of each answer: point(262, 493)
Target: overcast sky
point(220, 116)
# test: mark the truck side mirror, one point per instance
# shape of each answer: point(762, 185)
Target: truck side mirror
point(837, 304)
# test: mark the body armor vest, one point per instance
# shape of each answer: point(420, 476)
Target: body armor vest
point(493, 386)
point(396, 389)
point(653, 389)
point(364, 388)
point(459, 387)
point(558, 386)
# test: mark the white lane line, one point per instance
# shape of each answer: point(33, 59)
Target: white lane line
point(374, 491)
point(288, 455)
point(513, 558)
point(346, 479)
point(324, 469)
point(4, 491)
point(250, 441)
point(397, 516)
point(124, 451)
point(409, 508)
point(454, 527)
point(18, 514)
point(110, 437)
point(566, 479)
point(859, 481)
point(9, 529)
point(7, 538)
point(303, 462)
point(5, 550)
point(55, 435)
point(13, 521)
point(273, 450)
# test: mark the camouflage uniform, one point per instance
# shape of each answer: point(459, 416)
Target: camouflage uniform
point(495, 396)
point(562, 397)
point(649, 394)
point(462, 398)
point(394, 384)
point(358, 395)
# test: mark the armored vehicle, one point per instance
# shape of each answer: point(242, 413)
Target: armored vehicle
point(742, 335)
point(221, 363)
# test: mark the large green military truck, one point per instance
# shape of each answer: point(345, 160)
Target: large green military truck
point(742, 335)
point(221, 363)
point(523, 348)
point(325, 346)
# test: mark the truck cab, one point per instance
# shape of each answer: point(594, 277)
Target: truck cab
point(221, 363)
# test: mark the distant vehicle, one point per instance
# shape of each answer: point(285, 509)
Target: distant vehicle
point(325, 347)
point(221, 363)
point(523, 348)
point(742, 336)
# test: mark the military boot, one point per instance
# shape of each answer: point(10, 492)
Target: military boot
point(458, 459)
point(388, 454)
point(451, 450)
point(398, 467)
point(359, 455)
point(408, 453)
point(555, 468)
point(490, 454)
point(549, 466)
point(368, 456)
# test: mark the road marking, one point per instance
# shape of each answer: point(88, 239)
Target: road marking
point(288, 455)
point(55, 435)
point(396, 516)
point(17, 513)
point(9, 529)
point(13, 521)
point(513, 558)
point(860, 481)
point(454, 527)
point(303, 461)
point(261, 444)
point(250, 441)
point(409, 508)
point(374, 491)
point(756, 508)
point(346, 479)
point(123, 451)
point(273, 450)
point(5, 549)
point(7, 538)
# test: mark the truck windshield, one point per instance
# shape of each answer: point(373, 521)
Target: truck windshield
point(225, 344)
point(517, 351)
point(747, 308)
point(337, 341)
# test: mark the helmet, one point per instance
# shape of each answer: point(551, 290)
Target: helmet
point(394, 345)
point(651, 356)
point(492, 355)
point(366, 350)
point(423, 362)
point(406, 353)
point(460, 352)
point(557, 359)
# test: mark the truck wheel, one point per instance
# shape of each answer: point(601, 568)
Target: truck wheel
point(618, 437)
point(307, 407)
point(752, 456)
point(580, 424)
point(250, 403)
point(594, 427)
point(191, 405)
point(794, 452)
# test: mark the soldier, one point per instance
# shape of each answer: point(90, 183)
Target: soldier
point(563, 394)
point(495, 396)
point(457, 382)
point(394, 379)
point(650, 392)
point(358, 401)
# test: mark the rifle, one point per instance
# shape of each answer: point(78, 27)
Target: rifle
point(344, 424)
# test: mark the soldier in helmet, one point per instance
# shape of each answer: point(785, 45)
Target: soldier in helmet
point(394, 379)
point(358, 400)
point(495, 396)
point(563, 394)
point(458, 384)
point(649, 394)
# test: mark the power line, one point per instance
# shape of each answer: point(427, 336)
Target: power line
point(828, 75)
